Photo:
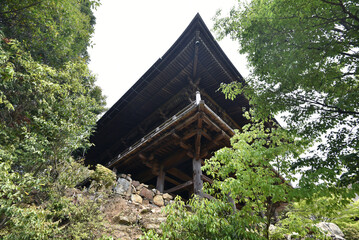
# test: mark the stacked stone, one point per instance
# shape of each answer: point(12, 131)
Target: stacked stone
point(140, 193)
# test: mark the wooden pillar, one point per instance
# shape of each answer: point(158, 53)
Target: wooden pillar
point(161, 179)
point(197, 177)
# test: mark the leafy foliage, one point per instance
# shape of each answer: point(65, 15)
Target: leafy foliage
point(251, 181)
point(150, 235)
point(48, 108)
point(53, 31)
point(247, 187)
point(323, 209)
point(103, 177)
point(348, 220)
point(251, 173)
point(205, 219)
point(304, 61)
point(49, 113)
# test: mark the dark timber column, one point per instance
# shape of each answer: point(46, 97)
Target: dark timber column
point(197, 177)
point(161, 179)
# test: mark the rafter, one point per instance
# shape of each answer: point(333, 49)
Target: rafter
point(179, 187)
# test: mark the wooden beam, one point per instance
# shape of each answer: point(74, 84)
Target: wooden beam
point(180, 142)
point(156, 142)
point(198, 143)
point(148, 161)
point(207, 179)
point(189, 134)
point(211, 124)
point(200, 121)
point(171, 180)
point(184, 145)
point(204, 153)
point(187, 122)
point(161, 179)
point(214, 143)
point(208, 196)
point(197, 179)
point(215, 126)
point(150, 144)
point(206, 135)
point(175, 159)
point(179, 187)
point(145, 160)
point(147, 175)
point(219, 121)
point(179, 174)
point(215, 104)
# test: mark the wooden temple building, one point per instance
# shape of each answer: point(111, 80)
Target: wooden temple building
point(173, 117)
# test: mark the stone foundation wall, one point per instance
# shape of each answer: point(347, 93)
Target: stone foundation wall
point(140, 193)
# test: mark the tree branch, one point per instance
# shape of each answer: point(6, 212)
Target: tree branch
point(341, 5)
point(330, 108)
point(21, 9)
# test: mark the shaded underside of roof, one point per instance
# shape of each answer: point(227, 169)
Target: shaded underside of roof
point(195, 62)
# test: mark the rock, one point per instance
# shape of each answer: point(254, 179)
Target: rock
point(158, 200)
point(146, 210)
point(136, 198)
point(149, 226)
point(153, 222)
point(331, 230)
point(145, 202)
point(157, 211)
point(125, 220)
point(167, 197)
point(122, 186)
point(146, 193)
point(135, 183)
point(129, 191)
point(139, 187)
point(155, 191)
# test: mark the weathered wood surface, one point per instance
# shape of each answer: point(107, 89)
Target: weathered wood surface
point(197, 177)
point(179, 187)
point(161, 179)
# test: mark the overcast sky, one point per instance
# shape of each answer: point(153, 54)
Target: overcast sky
point(131, 35)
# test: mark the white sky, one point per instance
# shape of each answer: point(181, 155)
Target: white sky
point(131, 35)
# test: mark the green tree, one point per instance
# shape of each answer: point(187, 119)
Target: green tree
point(251, 183)
point(320, 209)
point(248, 186)
point(304, 65)
point(46, 115)
point(347, 220)
point(49, 104)
point(53, 31)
